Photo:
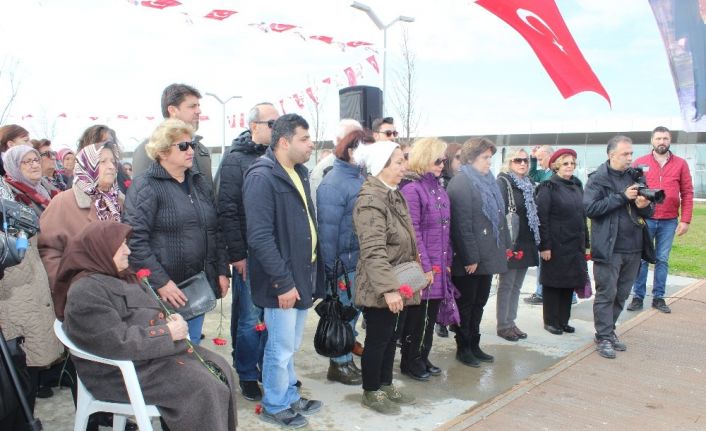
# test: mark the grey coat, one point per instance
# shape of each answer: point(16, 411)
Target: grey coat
point(111, 318)
point(472, 232)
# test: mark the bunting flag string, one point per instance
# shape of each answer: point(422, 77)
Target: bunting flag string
point(297, 101)
point(266, 27)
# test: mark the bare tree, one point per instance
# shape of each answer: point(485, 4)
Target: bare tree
point(43, 126)
point(9, 73)
point(405, 90)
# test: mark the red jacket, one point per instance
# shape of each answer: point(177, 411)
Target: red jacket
point(675, 179)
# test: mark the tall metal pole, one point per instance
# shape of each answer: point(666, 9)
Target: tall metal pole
point(223, 119)
point(384, 67)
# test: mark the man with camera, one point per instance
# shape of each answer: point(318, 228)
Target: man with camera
point(670, 173)
point(617, 213)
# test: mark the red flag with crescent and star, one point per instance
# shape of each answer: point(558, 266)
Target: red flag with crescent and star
point(279, 28)
point(540, 23)
point(220, 14)
point(160, 4)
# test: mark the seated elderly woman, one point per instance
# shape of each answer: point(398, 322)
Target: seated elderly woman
point(109, 314)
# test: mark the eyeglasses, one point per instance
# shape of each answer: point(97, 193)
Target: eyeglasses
point(183, 146)
point(389, 133)
point(30, 161)
point(269, 123)
point(49, 154)
point(439, 162)
point(568, 164)
point(520, 161)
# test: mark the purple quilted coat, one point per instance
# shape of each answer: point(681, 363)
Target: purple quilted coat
point(430, 210)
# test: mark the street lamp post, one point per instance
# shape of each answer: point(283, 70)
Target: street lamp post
point(223, 119)
point(378, 23)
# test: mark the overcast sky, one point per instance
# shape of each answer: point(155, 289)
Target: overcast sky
point(475, 74)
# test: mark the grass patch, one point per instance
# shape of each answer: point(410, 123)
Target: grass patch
point(688, 256)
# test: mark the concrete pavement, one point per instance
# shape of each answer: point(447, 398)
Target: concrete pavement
point(456, 392)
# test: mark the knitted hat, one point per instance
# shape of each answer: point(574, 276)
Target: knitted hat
point(560, 152)
point(374, 156)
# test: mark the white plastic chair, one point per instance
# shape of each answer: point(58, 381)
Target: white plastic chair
point(86, 404)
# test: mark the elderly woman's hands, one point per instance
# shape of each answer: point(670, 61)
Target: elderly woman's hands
point(178, 328)
point(394, 301)
point(172, 294)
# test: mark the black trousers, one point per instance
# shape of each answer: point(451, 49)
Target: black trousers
point(556, 305)
point(418, 334)
point(379, 353)
point(475, 290)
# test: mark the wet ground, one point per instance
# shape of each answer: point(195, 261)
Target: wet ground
point(439, 400)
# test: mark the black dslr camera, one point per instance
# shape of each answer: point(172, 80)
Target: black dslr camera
point(638, 175)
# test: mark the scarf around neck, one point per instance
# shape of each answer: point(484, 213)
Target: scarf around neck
point(527, 188)
point(493, 204)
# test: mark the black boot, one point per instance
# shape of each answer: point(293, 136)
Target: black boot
point(464, 354)
point(477, 352)
point(411, 364)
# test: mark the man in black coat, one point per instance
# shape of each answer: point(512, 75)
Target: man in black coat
point(617, 215)
point(286, 268)
point(246, 148)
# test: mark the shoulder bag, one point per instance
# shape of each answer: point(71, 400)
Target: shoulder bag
point(513, 219)
point(412, 274)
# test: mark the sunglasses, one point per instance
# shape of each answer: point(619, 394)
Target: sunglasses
point(183, 146)
point(49, 154)
point(520, 161)
point(30, 161)
point(269, 123)
point(441, 161)
point(390, 133)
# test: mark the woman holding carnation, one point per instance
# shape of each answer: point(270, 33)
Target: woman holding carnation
point(386, 238)
point(110, 315)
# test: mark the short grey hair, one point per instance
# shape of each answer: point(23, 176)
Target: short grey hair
point(346, 126)
point(254, 113)
point(615, 140)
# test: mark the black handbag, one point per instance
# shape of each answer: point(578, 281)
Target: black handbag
point(200, 296)
point(648, 248)
point(334, 335)
point(9, 402)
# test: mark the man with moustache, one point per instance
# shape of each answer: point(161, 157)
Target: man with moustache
point(663, 170)
point(246, 148)
point(183, 102)
point(286, 268)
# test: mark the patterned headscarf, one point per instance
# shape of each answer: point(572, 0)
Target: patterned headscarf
point(86, 179)
point(12, 159)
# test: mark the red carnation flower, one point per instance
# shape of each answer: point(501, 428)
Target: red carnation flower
point(260, 327)
point(588, 256)
point(127, 183)
point(519, 254)
point(342, 286)
point(406, 291)
point(436, 269)
point(508, 254)
point(143, 273)
point(218, 341)
point(258, 409)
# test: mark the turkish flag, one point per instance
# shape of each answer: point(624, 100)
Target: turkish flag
point(326, 80)
point(279, 28)
point(160, 4)
point(310, 93)
point(350, 74)
point(543, 27)
point(298, 100)
point(93, 118)
point(62, 115)
point(203, 118)
point(357, 43)
point(242, 119)
point(220, 14)
point(373, 62)
point(122, 116)
point(325, 39)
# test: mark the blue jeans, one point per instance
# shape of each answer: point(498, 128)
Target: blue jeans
point(662, 233)
point(343, 296)
point(248, 344)
point(285, 329)
point(195, 326)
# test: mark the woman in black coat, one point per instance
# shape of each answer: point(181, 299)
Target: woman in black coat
point(175, 228)
point(518, 191)
point(480, 243)
point(563, 240)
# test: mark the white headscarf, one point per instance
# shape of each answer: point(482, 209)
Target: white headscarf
point(374, 156)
